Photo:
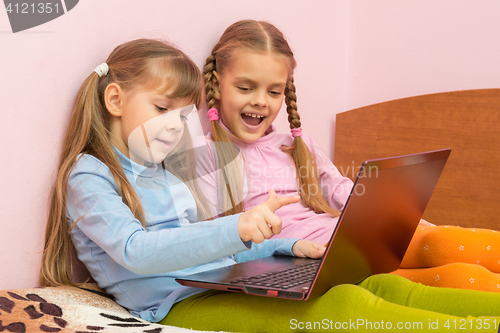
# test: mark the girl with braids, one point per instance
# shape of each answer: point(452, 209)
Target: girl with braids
point(125, 193)
point(249, 88)
point(247, 76)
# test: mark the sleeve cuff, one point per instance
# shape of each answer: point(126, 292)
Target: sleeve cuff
point(238, 244)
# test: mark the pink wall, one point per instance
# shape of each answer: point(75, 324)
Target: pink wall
point(349, 53)
point(405, 48)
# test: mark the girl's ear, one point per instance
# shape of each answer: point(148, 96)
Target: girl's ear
point(113, 97)
point(215, 85)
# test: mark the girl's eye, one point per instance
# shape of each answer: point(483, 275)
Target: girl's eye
point(244, 88)
point(275, 93)
point(161, 109)
point(183, 117)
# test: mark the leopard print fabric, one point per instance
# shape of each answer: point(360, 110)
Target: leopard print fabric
point(64, 309)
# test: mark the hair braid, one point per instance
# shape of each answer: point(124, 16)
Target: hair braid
point(208, 74)
point(309, 182)
point(227, 152)
point(291, 104)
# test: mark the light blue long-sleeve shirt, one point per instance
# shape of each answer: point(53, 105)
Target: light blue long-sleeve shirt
point(138, 266)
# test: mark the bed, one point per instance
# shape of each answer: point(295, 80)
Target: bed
point(467, 121)
point(466, 195)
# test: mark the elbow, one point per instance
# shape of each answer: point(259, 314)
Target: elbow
point(139, 267)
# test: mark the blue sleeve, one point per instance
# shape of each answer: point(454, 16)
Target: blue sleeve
point(269, 247)
point(97, 210)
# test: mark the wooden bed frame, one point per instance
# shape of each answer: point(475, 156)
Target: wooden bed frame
point(468, 122)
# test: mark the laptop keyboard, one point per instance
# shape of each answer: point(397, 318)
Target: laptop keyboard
point(284, 279)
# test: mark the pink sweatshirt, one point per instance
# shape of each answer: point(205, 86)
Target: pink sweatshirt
point(267, 167)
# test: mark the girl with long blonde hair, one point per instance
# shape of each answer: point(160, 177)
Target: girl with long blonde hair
point(126, 193)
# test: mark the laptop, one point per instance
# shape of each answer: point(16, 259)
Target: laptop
point(374, 230)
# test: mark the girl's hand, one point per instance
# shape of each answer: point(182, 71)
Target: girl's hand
point(260, 222)
point(304, 248)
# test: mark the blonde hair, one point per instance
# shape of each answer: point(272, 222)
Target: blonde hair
point(142, 63)
point(259, 36)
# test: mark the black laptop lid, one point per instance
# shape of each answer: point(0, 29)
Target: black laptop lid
point(379, 219)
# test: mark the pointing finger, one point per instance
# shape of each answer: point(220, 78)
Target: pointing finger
point(277, 203)
point(272, 195)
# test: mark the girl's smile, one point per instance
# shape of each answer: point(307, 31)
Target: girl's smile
point(252, 119)
point(166, 144)
point(251, 93)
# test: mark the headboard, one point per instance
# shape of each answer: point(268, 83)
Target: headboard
point(468, 192)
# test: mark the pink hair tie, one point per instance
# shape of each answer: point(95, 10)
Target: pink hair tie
point(296, 132)
point(213, 114)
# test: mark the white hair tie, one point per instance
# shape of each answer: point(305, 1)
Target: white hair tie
point(102, 69)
